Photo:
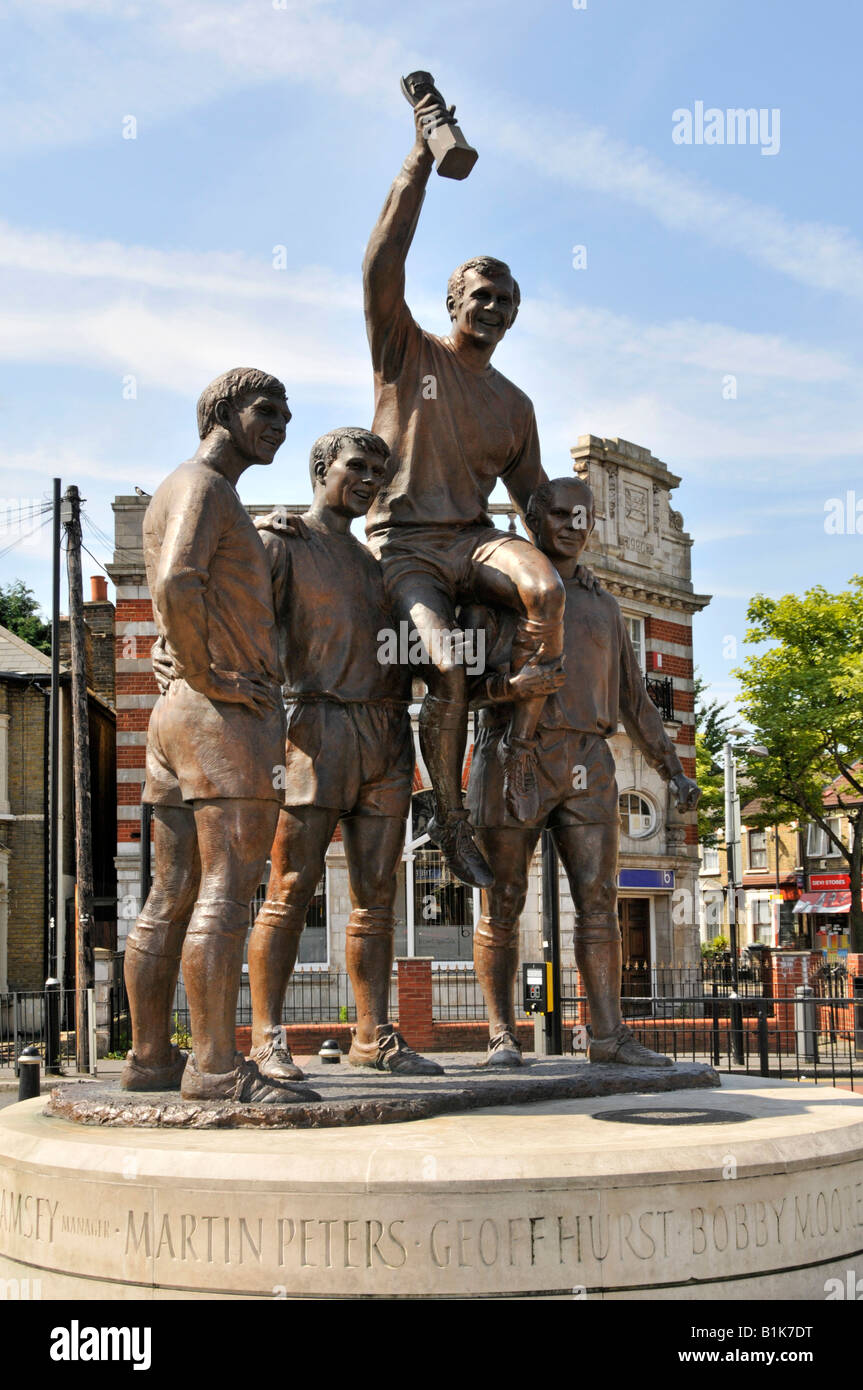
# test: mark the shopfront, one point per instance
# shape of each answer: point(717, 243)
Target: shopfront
point(826, 906)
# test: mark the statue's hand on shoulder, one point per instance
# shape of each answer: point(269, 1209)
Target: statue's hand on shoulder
point(688, 793)
point(284, 522)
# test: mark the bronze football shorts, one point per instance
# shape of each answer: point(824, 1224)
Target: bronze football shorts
point(575, 774)
point(202, 750)
point(444, 555)
point(357, 759)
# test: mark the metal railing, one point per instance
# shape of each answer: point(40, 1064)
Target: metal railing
point(661, 691)
point(312, 996)
point(46, 1020)
point(457, 997)
point(792, 1036)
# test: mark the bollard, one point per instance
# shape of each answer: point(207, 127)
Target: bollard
point(804, 1023)
point(28, 1073)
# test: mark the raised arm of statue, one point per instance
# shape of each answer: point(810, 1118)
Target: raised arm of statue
point(389, 243)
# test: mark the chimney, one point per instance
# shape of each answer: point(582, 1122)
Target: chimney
point(99, 618)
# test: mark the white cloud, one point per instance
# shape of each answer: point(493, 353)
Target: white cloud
point(180, 344)
point(174, 319)
point(231, 275)
point(162, 58)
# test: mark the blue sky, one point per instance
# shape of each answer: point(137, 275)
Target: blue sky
point(262, 125)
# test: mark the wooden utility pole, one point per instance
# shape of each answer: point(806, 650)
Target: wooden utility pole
point(81, 776)
point(53, 904)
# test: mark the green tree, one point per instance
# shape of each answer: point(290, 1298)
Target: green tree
point(804, 697)
point(20, 613)
point(711, 725)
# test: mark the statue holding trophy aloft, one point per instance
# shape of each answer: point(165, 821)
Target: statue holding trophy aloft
point(450, 443)
point(453, 156)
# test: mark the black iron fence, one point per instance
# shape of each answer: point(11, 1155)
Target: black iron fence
point(457, 997)
point(804, 1037)
point(312, 996)
point(44, 1019)
point(687, 1012)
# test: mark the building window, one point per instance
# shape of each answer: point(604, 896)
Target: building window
point(818, 845)
point(710, 859)
point(637, 815)
point(758, 849)
point(762, 921)
point(635, 628)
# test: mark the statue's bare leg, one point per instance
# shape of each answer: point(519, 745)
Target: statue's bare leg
point(495, 943)
point(443, 731)
point(373, 848)
point(153, 949)
point(297, 858)
point(589, 855)
point(520, 576)
point(234, 839)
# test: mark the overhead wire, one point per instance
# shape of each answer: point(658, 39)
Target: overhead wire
point(28, 535)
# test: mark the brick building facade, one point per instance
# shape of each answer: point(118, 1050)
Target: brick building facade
point(642, 555)
point(25, 678)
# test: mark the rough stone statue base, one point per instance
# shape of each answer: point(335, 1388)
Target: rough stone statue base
point(351, 1096)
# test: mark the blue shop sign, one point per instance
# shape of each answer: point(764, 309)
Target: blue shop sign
point(646, 878)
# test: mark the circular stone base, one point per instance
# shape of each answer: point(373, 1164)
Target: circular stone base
point(537, 1201)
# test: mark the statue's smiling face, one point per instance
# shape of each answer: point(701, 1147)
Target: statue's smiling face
point(486, 308)
point(565, 521)
point(353, 480)
point(257, 424)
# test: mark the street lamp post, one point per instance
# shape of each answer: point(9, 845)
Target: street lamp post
point(732, 852)
point(735, 877)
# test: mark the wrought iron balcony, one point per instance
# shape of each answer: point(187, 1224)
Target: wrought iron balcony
point(661, 691)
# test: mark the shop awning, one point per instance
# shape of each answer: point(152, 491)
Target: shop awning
point(829, 902)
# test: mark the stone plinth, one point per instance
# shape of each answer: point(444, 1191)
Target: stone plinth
point(757, 1195)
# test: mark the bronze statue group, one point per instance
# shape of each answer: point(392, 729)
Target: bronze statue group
point(277, 721)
